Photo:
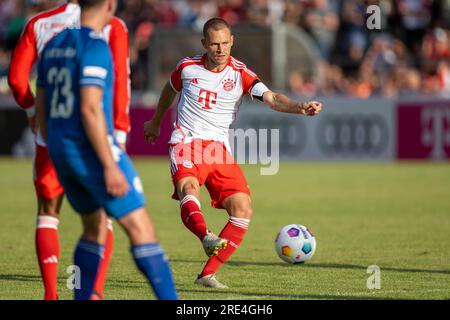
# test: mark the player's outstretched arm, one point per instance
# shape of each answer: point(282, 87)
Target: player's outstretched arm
point(22, 60)
point(40, 112)
point(281, 103)
point(94, 123)
point(152, 127)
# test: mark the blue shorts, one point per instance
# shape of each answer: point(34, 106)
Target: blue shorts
point(85, 188)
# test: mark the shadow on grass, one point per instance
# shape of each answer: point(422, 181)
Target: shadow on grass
point(20, 277)
point(33, 278)
point(287, 296)
point(313, 265)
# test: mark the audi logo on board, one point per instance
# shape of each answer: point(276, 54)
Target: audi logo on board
point(353, 134)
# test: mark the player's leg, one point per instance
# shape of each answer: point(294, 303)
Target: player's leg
point(187, 176)
point(240, 212)
point(105, 262)
point(188, 190)
point(148, 254)
point(89, 252)
point(131, 214)
point(229, 190)
point(49, 197)
point(47, 243)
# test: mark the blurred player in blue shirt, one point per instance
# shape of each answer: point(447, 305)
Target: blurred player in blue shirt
point(74, 103)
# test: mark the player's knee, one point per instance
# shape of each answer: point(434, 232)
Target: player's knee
point(139, 227)
point(189, 187)
point(243, 213)
point(94, 232)
point(49, 207)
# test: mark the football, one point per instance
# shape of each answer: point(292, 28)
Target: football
point(295, 244)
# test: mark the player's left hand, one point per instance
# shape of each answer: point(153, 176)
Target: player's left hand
point(310, 108)
point(151, 131)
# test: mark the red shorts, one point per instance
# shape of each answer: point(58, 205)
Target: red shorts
point(212, 165)
point(46, 181)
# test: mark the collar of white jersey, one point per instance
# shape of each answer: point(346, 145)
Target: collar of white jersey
point(204, 64)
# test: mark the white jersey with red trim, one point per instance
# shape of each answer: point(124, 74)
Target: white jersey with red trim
point(50, 23)
point(209, 101)
point(40, 30)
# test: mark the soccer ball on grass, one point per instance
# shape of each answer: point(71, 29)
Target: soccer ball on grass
point(295, 244)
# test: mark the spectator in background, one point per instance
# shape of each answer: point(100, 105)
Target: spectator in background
point(6, 12)
point(12, 22)
point(5, 56)
point(165, 14)
point(139, 56)
point(233, 11)
point(258, 13)
point(352, 36)
point(301, 86)
point(435, 45)
point(410, 82)
point(194, 13)
point(322, 23)
point(443, 74)
point(293, 12)
point(415, 16)
point(411, 53)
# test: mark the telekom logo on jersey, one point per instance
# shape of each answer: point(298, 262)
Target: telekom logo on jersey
point(206, 97)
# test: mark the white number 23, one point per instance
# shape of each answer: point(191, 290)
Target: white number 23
point(61, 80)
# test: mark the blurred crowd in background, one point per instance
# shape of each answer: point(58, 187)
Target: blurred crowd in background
point(409, 55)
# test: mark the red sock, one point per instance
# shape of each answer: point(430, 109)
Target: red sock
point(192, 216)
point(234, 232)
point(47, 250)
point(104, 264)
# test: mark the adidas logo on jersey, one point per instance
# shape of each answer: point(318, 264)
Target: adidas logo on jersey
point(194, 81)
point(52, 259)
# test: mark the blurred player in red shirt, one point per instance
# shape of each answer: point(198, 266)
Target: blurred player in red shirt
point(37, 33)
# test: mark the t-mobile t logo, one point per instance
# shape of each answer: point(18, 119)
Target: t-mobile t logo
point(424, 131)
point(206, 97)
point(436, 131)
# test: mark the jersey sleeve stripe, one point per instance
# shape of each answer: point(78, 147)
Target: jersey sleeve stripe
point(94, 71)
point(250, 73)
point(240, 65)
point(244, 68)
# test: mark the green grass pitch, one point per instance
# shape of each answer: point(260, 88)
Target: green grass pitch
point(395, 216)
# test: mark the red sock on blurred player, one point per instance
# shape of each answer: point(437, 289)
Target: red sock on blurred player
point(192, 216)
point(234, 232)
point(104, 264)
point(47, 250)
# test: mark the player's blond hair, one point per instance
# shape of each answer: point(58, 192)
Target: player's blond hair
point(215, 24)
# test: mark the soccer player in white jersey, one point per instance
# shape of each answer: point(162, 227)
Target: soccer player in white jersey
point(211, 87)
